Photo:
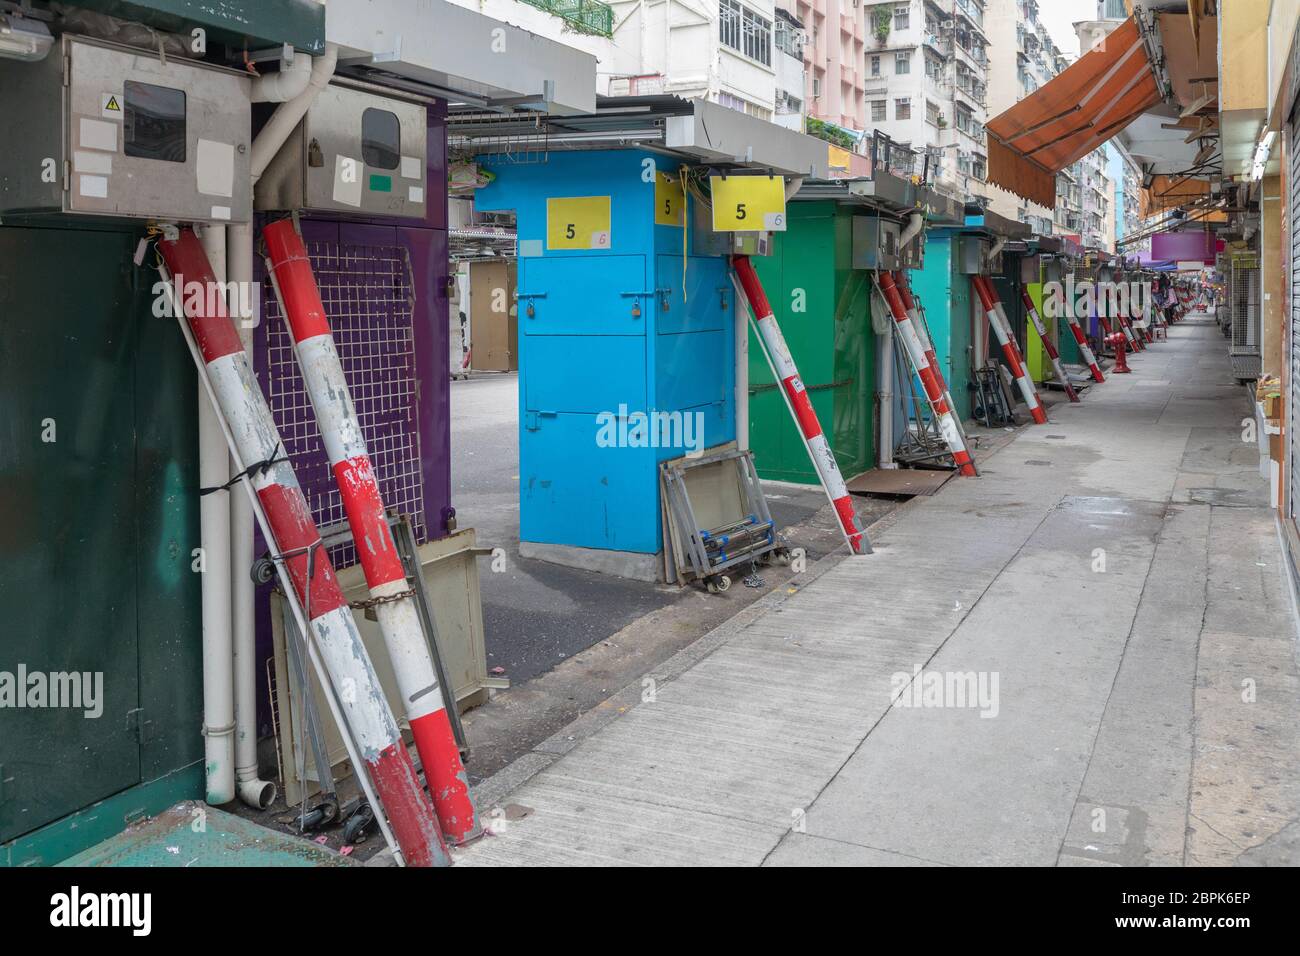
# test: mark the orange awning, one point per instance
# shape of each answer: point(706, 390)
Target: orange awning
point(1071, 115)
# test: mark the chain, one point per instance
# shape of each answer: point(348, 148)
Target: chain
point(386, 599)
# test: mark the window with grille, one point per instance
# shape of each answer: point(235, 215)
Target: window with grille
point(902, 109)
point(878, 110)
point(729, 23)
point(369, 298)
point(902, 63)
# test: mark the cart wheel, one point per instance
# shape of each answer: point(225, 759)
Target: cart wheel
point(711, 585)
point(724, 582)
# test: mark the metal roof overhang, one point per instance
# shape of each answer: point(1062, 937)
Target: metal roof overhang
point(1074, 113)
point(694, 130)
point(439, 49)
point(997, 225)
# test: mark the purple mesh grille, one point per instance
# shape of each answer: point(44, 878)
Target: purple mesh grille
point(369, 299)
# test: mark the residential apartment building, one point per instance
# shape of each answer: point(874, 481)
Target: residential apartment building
point(833, 64)
point(1025, 56)
point(789, 41)
point(926, 85)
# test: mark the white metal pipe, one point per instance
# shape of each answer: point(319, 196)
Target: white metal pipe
point(742, 365)
point(253, 790)
point(915, 223)
point(288, 114)
point(885, 390)
point(313, 75)
point(214, 530)
point(280, 87)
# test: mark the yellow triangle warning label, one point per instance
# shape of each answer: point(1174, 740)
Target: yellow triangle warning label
point(112, 104)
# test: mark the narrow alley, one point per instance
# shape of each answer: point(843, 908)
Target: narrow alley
point(1145, 713)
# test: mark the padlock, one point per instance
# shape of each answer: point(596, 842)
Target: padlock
point(636, 308)
point(531, 310)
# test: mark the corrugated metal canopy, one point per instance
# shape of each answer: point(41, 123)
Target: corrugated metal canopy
point(1071, 115)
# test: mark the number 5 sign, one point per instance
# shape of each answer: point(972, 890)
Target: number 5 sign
point(578, 222)
point(748, 203)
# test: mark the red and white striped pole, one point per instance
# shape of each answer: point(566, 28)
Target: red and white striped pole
point(1085, 349)
point(993, 309)
point(914, 315)
point(1127, 328)
point(257, 446)
point(948, 424)
point(336, 417)
point(783, 367)
point(1048, 344)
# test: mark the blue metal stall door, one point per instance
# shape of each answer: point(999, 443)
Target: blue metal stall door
point(587, 476)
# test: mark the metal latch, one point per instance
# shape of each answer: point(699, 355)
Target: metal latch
point(531, 419)
point(638, 296)
point(530, 311)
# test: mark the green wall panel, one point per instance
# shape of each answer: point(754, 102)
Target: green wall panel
point(823, 307)
point(97, 524)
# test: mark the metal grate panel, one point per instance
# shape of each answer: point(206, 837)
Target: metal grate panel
point(368, 296)
point(1243, 304)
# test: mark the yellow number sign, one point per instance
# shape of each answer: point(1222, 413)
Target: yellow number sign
point(670, 201)
point(578, 222)
point(748, 203)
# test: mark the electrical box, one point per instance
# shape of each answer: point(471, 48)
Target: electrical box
point(875, 243)
point(354, 152)
point(708, 242)
point(105, 130)
point(970, 255)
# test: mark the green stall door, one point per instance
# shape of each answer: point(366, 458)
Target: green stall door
point(823, 307)
point(98, 517)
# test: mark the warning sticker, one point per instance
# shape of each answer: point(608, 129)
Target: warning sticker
point(110, 105)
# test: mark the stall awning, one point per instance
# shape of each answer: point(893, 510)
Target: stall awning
point(1071, 115)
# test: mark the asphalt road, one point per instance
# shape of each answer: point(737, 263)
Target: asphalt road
point(537, 614)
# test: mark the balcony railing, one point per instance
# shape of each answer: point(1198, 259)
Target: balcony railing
point(585, 16)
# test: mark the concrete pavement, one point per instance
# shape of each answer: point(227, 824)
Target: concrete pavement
point(1090, 654)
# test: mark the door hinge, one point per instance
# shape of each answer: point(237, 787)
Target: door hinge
point(135, 723)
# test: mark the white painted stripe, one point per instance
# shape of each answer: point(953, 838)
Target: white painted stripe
point(913, 346)
point(996, 325)
point(336, 417)
point(409, 654)
point(919, 327)
point(244, 407)
point(824, 459)
point(355, 682)
point(777, 348)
